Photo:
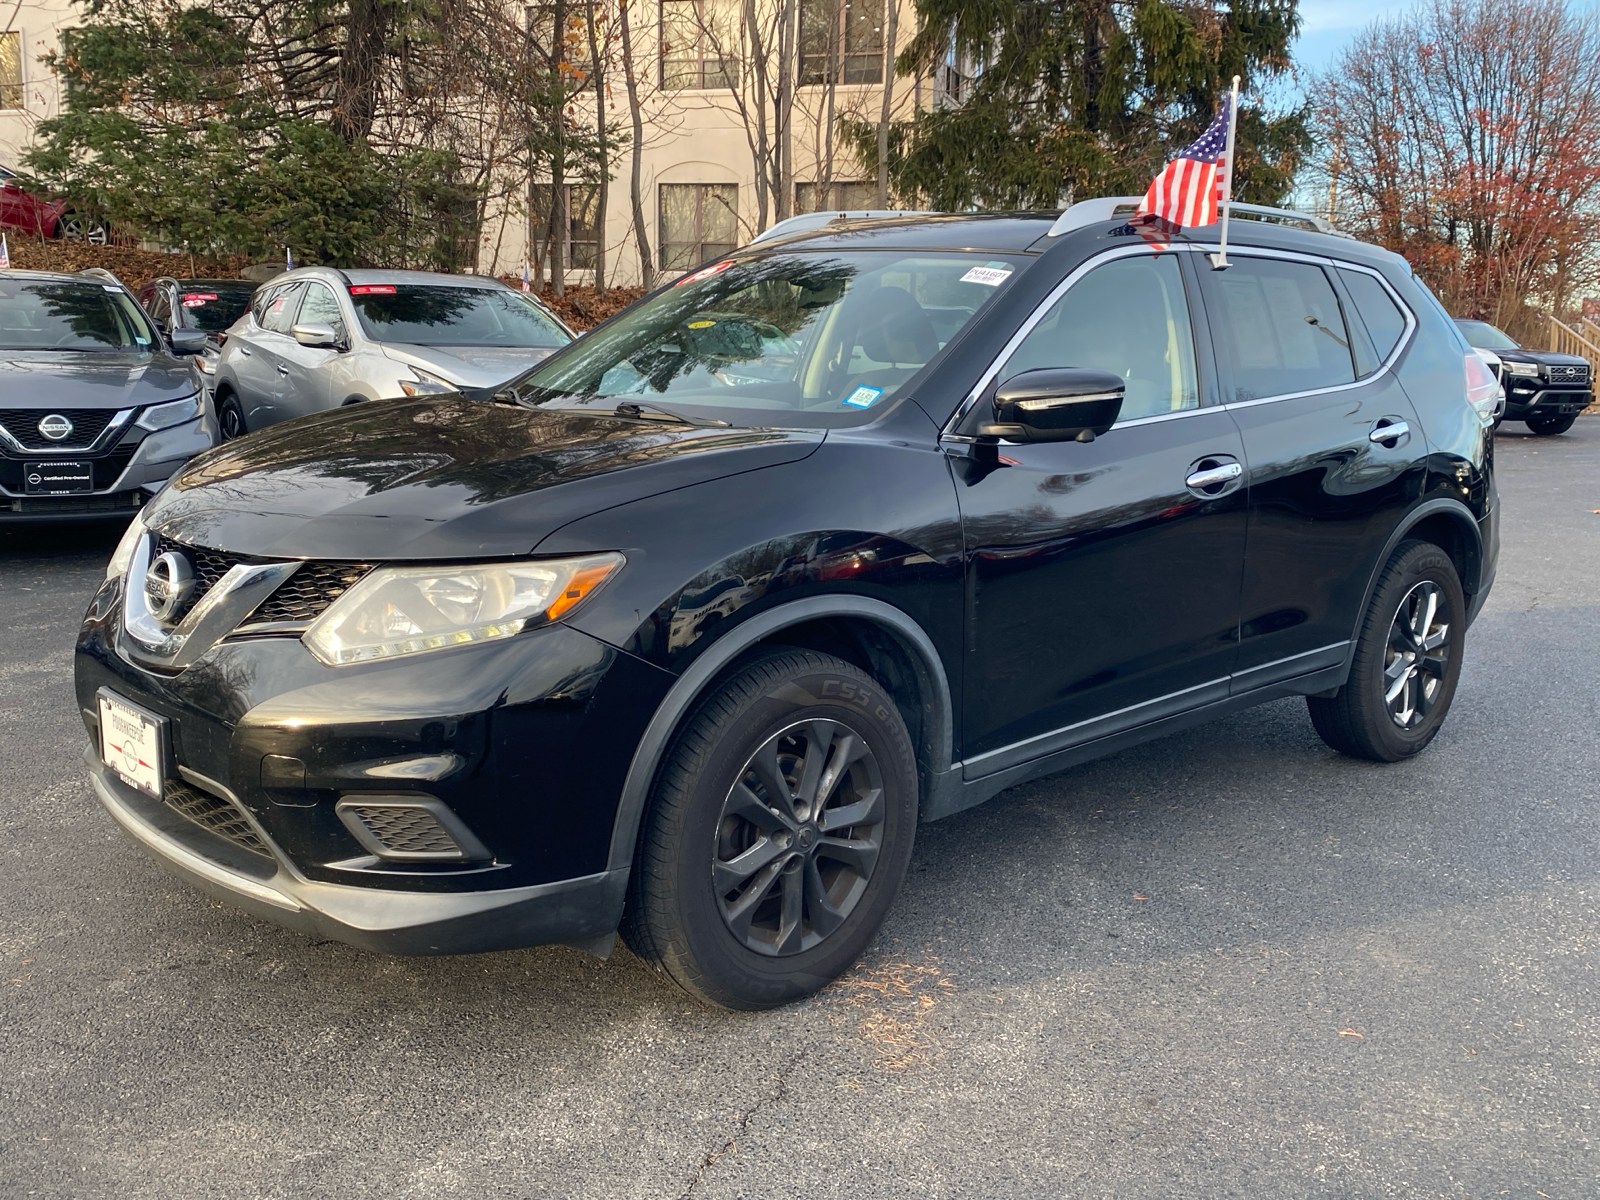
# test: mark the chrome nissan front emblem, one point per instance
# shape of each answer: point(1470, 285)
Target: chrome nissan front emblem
point(167, 585)
point(55, 427)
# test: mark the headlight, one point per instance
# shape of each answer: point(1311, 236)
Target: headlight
point(165, 416)
point(123, 554)
point(1520, 368)
point(410, 610)
point(426, 384)
point(206, 364)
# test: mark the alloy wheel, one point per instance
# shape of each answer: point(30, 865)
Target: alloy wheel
point(1418, 655)
point(798, 837)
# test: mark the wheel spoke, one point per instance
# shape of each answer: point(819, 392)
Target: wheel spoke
point(1394, 678)
point(1438, 639)
point(742, 911)
point(859, 854)
point(819, 740)
point(727, 874)
point(863, 812)
point(792, 906)
point(1427, 605)
point(1433, 664)
point(765, 765)
point(847, 748)
point(825, 918)
point(746, 805)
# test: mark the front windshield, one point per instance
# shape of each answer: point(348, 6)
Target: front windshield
point(1485, 336)
point(62, 315)
point(452, 316)
point(825, 333)
point(214, 307)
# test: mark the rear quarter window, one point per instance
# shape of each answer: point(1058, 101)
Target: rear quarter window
point(1376, 310)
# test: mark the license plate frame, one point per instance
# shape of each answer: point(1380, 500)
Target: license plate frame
point(139, 753)
point(59, 477)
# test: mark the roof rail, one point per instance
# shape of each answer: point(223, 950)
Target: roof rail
point(816, 220)
point(1109, 208)
point(101, 273)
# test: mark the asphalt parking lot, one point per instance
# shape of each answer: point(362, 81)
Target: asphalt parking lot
point(1227, 964)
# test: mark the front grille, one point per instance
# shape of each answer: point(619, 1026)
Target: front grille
point(402, 830)
point(87, 425)
point(1570, 374)
point(215, 815)
point(304, 596)
point(117, 503)
point(300, 599)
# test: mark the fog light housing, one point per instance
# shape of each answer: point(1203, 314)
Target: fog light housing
point(409, 829)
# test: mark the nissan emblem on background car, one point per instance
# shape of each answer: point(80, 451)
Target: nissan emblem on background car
point(685, 633)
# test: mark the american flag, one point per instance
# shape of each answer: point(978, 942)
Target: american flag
point(1187, 191)
point(5, 254)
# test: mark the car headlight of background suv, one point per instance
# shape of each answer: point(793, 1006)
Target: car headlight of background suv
point(395, 611)
point(165, 416)
point(426, 384)
point(123, 554)
point(1521, 368)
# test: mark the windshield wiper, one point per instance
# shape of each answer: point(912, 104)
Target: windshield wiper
point(644, 410)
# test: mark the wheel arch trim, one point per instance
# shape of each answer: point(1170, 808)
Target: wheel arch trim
point(700, 674)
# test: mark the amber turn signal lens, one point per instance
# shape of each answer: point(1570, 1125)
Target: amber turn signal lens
point(584, 582)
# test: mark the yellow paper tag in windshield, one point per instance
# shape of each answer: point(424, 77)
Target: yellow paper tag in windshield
point(701, 324)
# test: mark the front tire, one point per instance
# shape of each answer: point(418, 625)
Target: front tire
point(1551, 426)
point(230, 418)
point(778, 835)
point(1406, 664)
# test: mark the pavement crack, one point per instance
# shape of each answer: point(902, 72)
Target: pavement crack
point(779, 1094)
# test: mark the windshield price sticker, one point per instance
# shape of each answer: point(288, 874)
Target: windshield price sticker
point(706, 272)
point(197, 299)
point(863, 397)
point(372, 289)
point(992, 276)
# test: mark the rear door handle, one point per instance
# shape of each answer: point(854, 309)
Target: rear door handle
point(245, 350)
point(283, 370)
point(1218, 477)
point(1388, 429)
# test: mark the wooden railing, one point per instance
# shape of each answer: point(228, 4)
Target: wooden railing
point(1566, 340)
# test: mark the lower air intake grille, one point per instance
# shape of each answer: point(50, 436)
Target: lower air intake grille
point(215, 815)
point(409, 830)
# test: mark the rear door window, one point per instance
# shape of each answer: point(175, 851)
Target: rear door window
point(1376, 310)
point(1280, 327)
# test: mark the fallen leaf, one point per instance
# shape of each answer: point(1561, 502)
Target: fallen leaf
point(1349, 1033)
point(1136, 896)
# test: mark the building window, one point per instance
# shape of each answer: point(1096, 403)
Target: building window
point(841, 39)
point(699, 44)
point(698, 221)
point(848, 196)
point(577, 224)
point(11, 70)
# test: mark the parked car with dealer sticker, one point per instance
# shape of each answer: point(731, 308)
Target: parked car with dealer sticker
point(97, 408)
point(319, 338)
point(686, 632)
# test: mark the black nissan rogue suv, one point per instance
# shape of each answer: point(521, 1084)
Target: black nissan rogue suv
point(686, 631)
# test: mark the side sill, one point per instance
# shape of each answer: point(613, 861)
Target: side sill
point(958, 794)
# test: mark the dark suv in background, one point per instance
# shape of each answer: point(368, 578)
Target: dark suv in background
point(1545, 389)
point(850, 530)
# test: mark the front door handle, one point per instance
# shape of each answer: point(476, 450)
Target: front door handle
point(1212, 477)
point(245, 350)
point(1388, 432)
point(283, 370)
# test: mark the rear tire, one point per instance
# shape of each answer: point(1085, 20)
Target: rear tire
point(1550, 426)
point(1406, 664)
point(778, 835)
point(230, 417)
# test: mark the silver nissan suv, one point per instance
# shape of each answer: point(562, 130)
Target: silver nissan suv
point(319, 337)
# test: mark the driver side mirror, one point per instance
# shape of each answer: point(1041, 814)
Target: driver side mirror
point(187, 341)
point(317, 336)
point(1055, 404)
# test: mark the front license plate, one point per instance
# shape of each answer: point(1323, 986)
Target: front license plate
point(131, 742)
point(57, 478)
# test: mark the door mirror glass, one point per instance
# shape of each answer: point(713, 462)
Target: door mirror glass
point(1056, 404)
point(317, 336)
point(187, 341)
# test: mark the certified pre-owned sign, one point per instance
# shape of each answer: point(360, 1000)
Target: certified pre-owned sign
point(58, 478)
point(55, 427)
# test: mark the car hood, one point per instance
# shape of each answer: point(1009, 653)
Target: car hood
point(48, 379)
point(1545, 358)
point(442, 478)
point(471, 367)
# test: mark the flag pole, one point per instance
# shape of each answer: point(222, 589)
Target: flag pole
point(1219, 260)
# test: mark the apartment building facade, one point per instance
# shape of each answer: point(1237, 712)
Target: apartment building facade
point(29, 29)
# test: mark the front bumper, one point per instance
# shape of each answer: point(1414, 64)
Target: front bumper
point(1522, 403)
point(383, 920)
point(125, 476)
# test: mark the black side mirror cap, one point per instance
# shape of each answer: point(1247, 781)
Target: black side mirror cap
point(1055, 404)
point(187, 341)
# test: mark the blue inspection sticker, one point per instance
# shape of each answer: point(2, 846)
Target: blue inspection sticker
point(863, 397)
